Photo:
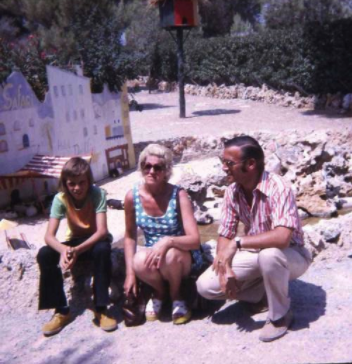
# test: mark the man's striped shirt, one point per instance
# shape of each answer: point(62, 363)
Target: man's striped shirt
point(273, 205)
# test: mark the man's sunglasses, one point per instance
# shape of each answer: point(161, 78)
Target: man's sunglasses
point(157, 167)
point(228, 163)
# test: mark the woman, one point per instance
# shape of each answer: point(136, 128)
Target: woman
point(164, 213)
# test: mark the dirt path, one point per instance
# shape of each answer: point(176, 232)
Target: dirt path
point(321, 299)
point(160, 117)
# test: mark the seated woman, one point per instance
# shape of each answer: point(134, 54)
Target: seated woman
point(164, 213)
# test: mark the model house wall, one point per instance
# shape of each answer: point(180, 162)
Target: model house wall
point(70, 122)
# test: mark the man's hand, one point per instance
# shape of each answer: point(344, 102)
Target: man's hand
point(222, 266)
point(223, 259)
point(229, 284)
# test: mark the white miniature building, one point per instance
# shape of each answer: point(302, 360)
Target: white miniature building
point(70, 122)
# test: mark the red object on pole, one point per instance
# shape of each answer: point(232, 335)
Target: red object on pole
point(179, 13)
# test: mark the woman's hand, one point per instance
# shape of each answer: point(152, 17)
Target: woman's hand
point(156, 254)
point(130, 285)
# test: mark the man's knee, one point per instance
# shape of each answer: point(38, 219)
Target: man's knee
point(204, 286)
point(270, 259)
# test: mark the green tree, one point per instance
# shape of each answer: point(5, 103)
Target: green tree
point(68, 32)
point(289, 13)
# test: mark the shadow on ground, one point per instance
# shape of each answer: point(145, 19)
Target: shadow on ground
point(308, 303)
point(215, 112)
point(327, 113)
point(153, 106)
point(92, 355)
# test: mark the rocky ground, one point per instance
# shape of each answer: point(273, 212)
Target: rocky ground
point(321, 299)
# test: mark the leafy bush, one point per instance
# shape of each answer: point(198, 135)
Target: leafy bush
point(316, 58)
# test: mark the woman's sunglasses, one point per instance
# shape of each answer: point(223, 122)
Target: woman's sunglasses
point(157, 167)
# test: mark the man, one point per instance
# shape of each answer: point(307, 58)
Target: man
point(257, 267)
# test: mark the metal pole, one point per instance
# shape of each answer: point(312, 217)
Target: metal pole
point(181, 76)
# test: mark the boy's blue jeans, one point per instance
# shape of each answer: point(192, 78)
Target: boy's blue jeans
point(51, 285)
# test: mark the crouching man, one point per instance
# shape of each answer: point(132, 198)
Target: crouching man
point(257, 267)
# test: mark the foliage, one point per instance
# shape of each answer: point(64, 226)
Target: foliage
point(316, 58)
point(217, 17)
point(286, 14)
point(291, 44)
point(68, 32)
point(29, 58)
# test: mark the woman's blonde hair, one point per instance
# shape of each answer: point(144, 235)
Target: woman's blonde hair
point(159, 151)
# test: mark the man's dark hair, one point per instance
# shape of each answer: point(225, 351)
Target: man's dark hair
point(250, 148)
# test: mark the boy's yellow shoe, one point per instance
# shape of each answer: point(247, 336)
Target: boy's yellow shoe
point(56, 324)
point(105, 322)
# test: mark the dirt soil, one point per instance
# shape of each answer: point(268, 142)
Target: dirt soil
point(321, 299)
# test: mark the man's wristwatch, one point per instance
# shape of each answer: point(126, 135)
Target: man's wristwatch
point(238, 241)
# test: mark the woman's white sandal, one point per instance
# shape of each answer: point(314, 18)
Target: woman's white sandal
point(153, 309)
point(180, 313)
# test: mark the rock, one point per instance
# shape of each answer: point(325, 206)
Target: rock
point(315, 206)
point(331, 234)
point(347, 102)
point(344, 203)
point(203, 218)
point(273, 164)
point(313, 241)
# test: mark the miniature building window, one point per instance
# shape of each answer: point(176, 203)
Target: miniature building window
point(117, 131)
point(85, 131)
point(31, 123)
point(70, 90)
point(80, 87)
point(2, 129)
point(16, 125)
point(68, 116)
point(25, 141)
point(75, 115)
point(56, 91)
point(82, 114)
point(95, 130)
point(3, 146)
point(63, 90)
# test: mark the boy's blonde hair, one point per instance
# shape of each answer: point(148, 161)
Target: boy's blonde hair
point(74, 167)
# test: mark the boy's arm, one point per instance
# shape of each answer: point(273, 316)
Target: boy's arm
point(100, 234)
point(53, 242)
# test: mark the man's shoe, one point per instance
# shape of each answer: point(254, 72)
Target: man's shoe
point(257, 307)
point(56, 324)
point(105, 322)
point(273, 330)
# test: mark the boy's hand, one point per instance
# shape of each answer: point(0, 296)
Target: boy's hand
point(68, 258)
